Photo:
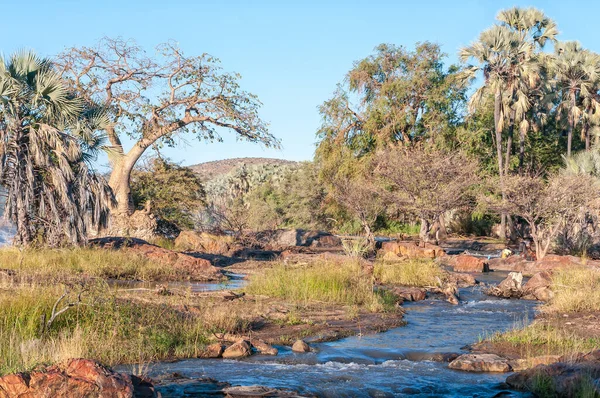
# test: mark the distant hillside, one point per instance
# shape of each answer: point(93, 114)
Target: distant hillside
point(210, 170)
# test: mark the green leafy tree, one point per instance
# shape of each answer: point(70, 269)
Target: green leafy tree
point(47, 138)
point(173, 193)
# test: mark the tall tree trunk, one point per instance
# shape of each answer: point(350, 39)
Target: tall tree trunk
point(586, 132)
point(509, 142)
point(569, 139)
point(120, 182)
point(521, 150)
point(498, 132)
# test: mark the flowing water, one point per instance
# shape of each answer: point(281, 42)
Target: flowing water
point(395, 363)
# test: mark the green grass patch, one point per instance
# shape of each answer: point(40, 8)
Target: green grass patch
point(57, 264)
point(543, 339)
point(335, 282)
point(415, 272)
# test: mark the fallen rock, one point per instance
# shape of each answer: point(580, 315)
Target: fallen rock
point(553, 261)
point(481, 363)
point(462, 279)
point(300, 346)
point(240, 349)
point(75, 378)
point(203, 242)
point(467, 263)
point(413, 249)
point(510, 287)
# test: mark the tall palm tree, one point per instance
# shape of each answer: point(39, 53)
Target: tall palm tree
point(575, 75)
point(47, 138)
point(507, 55)
point(527, 83)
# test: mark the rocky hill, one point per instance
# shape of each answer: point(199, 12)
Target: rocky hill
point(210, 170)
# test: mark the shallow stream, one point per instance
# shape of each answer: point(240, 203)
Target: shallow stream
point(394, 363)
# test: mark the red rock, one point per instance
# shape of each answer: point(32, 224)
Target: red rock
point(74, 378)
point(197, 269)
point(466, 263)
point(300, 346)
point(512, 264)
point(409, 293)
point(553, 261)
point(240, 349)
point(203, 242)
point(480, 363)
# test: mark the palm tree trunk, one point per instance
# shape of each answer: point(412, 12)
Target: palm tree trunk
point(586, 129)
point(569, 139)
point(509, 140)
point(498, 132)
point(521, 150)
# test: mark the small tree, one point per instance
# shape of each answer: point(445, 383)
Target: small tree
point(173, 193)
point(548, 206)
point(426, 182)
point(352, 184)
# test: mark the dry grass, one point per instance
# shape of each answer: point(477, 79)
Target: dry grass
point(575, 290)
point(336, 282)
point(58, 264)
point(410, 273)
point(109, 326)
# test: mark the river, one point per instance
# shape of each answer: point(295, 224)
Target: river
point(394, 363)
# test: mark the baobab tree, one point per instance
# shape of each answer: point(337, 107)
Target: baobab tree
point(151, 100)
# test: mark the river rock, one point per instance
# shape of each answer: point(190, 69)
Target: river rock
point(538, 287)
point(409, 293)
point(462, 279)
point(480, 363)
point(511, 286)
point(212, 351)
point(413, 249)
point(75, 378)
point(467, 263)
point(263, 348)
point(512, 264)
point(240, 349)
point(258, 391)
point(300, 346)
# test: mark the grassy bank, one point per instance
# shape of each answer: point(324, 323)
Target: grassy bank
point(410, 273)
point(49, 265)
point(328, 281)
point(563, 327)
point(106, 326)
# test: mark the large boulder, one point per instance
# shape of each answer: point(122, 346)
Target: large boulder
point(511, 286)
point(467, 263)
point(197, 269)
point(240, 349)
point(512, 264)
point(538, 286)
point(481, 363)
point(72, 379)
point(408, 293)
point(412, 249)
point(554, 261)
point(203, 242)
point(300, 346)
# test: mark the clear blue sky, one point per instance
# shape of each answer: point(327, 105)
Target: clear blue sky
point(291, 54)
